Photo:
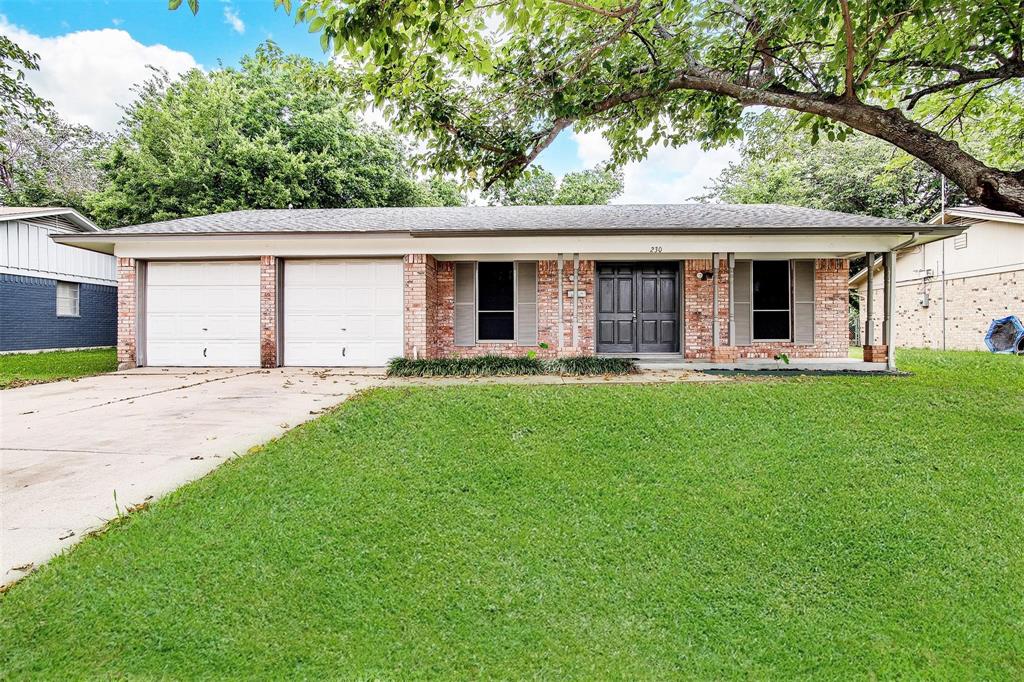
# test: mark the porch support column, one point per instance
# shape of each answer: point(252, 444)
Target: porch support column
point(420, 304)
point(890, 309)
point(714, 300)
point(869, 312)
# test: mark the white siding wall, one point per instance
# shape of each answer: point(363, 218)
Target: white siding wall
point(26, 249)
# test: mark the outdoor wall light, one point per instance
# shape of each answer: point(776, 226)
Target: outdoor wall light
point(704, 275)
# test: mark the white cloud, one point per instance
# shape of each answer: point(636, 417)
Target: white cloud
point(232, 19)
point(87, 74)
point(667, 176)
point(116, 21)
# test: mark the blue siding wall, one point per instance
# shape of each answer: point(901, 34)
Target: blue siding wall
point(28, 315)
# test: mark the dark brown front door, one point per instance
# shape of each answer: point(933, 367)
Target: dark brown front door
point(638, 307)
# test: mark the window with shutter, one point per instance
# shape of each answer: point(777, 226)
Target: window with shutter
point(803, 301)
point(465, 304)
point(770, 300)
point(741, 303)
point(526, 303)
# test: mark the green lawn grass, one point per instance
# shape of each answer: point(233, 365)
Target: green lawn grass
point(35, 368)
point(825, 527)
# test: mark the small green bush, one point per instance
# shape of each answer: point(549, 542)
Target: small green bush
point(497, 366)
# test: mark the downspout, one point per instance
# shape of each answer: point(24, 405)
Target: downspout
point(575, 297)
point(561, 304)
point(714, 300)
point(731, 257)
point(942, 244)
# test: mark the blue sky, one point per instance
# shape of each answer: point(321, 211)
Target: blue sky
point(93, 51)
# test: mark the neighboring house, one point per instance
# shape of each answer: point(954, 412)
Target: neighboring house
point(335, 287)
point(949, 291)
point(53, 296)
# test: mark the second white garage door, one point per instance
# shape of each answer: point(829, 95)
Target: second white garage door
point(342, 312)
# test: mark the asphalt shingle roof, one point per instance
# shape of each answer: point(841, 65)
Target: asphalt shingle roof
point(531, 219)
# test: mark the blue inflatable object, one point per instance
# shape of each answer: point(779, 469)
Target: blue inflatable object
point(1005, 335)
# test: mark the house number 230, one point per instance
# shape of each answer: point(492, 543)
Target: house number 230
point(656, 249)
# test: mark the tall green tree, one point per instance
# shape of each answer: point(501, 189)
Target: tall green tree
point(859, 174)
point(19, 104)
point(539, 187)
point(490, 84)
point(273, 133)
point(49, 163)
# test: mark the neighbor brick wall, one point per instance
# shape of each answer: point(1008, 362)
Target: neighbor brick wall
point(441, 340)
point(126, 309)
point(268, 311)
point(28, 310)
point(831, 303)
point(971, 305)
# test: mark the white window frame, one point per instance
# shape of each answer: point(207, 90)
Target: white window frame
point(476, 303)
point(71, 297)
point(789, 298)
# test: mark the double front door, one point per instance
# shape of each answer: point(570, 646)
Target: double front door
point(638, 307)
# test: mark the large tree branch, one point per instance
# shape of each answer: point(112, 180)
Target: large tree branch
point(997, 189)
point(1003, 72)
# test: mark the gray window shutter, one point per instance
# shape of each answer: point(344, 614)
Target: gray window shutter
point(742, 298)
point(803, 301)
point(526, 303)
point(465, 304)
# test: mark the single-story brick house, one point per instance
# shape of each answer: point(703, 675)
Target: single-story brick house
point(53, 296)
point(336, 287)
point(949, 291)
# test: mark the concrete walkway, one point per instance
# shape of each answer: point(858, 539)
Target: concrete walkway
point(66, 447)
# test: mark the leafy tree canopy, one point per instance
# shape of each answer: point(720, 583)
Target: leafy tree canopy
point(49, 163)
point(539, 187)
point(490, 83)
point(19, 104)
point(273, 133)
point(859, 174)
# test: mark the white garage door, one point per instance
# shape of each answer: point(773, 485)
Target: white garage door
point(342, 312)
point(203, 314)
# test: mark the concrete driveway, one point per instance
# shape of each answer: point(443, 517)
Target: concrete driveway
point(66, 447)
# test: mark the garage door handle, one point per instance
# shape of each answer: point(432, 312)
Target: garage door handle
point(342, 352)
point(204, 352)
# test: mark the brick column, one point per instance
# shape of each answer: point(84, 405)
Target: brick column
point(420, 280)
point(268, 311)
point(127, 295)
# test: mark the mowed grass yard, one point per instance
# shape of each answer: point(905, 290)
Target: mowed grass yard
point(829, 527)
point(20, 369)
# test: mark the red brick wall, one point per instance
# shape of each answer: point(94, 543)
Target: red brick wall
point(420, 303)
point(126, 310)
point(268, 311)
point(831, 301)
point(442, 336)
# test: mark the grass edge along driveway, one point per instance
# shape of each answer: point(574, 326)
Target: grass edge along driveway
point(832, 527)
point(22, 369)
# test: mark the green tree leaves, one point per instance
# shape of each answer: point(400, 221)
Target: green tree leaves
point(273, 133)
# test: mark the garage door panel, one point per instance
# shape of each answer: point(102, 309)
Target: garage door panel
point(203, 314)
point(342, 312)
point(387, 327)
point(388, 298)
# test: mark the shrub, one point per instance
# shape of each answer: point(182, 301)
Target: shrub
point(496, 365)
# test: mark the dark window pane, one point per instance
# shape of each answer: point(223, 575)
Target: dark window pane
point(771, 325)
point(495, 286)
point(496, 327)
point(771, 284)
